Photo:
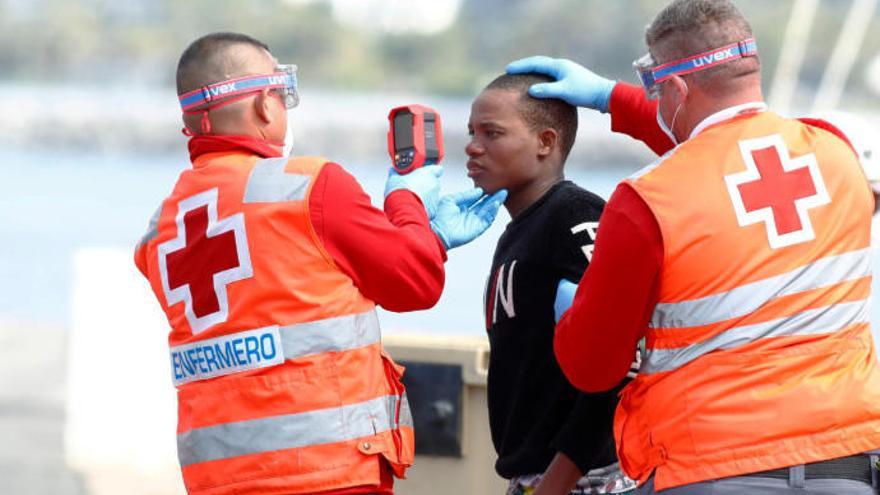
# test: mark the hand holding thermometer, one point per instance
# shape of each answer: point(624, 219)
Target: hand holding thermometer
point(415, 138)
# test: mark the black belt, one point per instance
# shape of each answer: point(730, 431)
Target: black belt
point(854, 467)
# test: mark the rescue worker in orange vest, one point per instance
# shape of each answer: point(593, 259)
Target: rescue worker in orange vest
point(742, 257)
point(269, 269)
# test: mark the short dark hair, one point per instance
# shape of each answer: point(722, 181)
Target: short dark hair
point(206, 61)
point(689, 27)
point(541, 113)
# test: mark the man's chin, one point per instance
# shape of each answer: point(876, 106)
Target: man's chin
point(487, 188)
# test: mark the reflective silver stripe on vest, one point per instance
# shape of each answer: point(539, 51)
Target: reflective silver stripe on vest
point(342, 333)
point(405, 413)
point(289, 431)
point(152, 228)
point(269, 183)
point(824, 320)
point(746, 299)
point(253, 349)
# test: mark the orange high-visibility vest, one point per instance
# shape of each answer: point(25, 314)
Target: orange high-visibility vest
point(283, 385)
point(759, 353)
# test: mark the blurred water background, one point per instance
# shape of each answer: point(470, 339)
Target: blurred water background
point(90, 139)
point(65, 199)
point(83, 200)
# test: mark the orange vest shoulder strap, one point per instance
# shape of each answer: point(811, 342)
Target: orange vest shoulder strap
point(828, 126)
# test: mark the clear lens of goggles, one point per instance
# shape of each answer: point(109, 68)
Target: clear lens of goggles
point(289, 92)
point(645, 70)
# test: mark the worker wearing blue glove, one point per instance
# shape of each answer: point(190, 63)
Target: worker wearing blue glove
point(462, 217)
point(575, 84)
point(701, 417)
point(423, 181)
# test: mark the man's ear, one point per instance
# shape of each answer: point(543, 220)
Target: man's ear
point(681, 87)
point(262, 106)
point(547, 140)
point(189, 124)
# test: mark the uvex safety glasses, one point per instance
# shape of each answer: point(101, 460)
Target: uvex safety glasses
point(283, 80)
point(651, 75)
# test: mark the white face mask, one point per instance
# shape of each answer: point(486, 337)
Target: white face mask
point(288, 140)
point(667, 129)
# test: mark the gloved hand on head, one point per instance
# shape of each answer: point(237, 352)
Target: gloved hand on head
point(463, 216)
point(423, 181)
point(565, 291)
point(574, 83)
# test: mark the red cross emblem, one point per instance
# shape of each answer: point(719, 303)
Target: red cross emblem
point(205, 257)
point(777, 190)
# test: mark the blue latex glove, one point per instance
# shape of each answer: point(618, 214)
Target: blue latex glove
point(462, 217)
point(423, 181)
point(574, 84)
point(564, 296)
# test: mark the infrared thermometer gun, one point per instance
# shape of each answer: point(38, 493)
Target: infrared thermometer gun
point(415, 137)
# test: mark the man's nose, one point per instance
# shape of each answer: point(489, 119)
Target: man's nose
point(473, 148)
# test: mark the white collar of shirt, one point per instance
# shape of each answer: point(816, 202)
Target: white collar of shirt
point(727, 114)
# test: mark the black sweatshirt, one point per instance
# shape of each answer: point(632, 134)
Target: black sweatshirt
point(534, 412)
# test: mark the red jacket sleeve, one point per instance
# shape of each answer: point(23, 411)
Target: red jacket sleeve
point(596, 338)
point(393, 257)
point(636, 116)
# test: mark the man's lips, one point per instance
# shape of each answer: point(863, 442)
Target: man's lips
point(474, 168)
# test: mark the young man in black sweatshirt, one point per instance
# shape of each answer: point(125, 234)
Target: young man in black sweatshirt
point(550, 438)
